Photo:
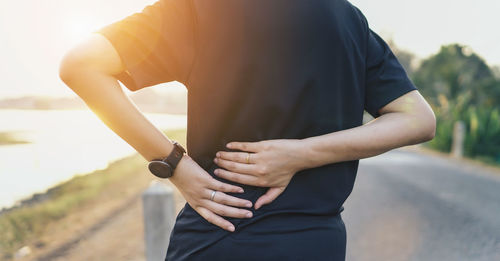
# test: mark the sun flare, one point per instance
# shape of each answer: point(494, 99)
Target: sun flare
point(79, 28)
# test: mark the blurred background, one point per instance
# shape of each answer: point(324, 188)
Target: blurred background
point(69, 184)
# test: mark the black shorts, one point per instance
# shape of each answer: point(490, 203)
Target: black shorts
point(267, 235)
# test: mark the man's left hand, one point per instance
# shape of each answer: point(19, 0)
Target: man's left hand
point(271, 163)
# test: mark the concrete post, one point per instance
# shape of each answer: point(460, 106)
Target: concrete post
point(457, 147)
point(159, 218)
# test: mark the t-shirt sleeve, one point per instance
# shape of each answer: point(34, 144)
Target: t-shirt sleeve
point(386, 79)
point(156, 45)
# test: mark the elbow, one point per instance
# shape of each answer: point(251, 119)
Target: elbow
point(64, 69)
point(431, 131)
point(69, 67)
point(76, 66)
point(428, 130)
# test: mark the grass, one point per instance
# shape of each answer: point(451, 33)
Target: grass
point(8, 138)
point(486, 160)
point(25, 223)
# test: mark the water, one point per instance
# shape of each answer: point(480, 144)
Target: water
point(64, 143)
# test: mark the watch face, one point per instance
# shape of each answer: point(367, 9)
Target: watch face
point(160, 169)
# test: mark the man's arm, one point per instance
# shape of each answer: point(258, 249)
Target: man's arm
point(406, 120)
point(88, 69)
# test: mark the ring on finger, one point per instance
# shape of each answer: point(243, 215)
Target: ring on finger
point(213, 195)
point(248, 158)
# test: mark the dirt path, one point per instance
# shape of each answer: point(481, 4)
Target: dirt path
point(108, 229)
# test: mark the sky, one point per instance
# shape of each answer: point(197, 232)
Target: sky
point(35, 34)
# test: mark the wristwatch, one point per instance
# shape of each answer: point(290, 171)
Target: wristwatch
point(164, 168)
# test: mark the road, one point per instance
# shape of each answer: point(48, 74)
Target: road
point(412, 206)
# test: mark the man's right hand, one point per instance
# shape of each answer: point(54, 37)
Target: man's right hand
point(196, 185)
point(89, 69)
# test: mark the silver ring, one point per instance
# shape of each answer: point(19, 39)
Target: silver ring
point(213, 195)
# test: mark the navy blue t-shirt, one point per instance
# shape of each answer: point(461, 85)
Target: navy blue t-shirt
point(258, 70)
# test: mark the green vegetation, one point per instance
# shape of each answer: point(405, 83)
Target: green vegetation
point(459, 85)
point(10, 138)
point(20, 225)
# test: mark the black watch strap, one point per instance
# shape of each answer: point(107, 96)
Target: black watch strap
point(175, 156)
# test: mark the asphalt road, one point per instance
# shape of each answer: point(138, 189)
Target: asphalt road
point(413, 206)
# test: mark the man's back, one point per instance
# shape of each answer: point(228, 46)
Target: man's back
point(259, 70)
point(274, 69)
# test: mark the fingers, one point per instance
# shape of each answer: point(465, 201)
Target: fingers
point(221, 186)
point(212, 210)
point(214, 219)
point(245, 146)
point(226, 211)
point(251, 169)
point(223, 198)
point(237, 177)
point(270, 195)
point(237, 156)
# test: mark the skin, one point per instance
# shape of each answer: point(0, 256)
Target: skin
point(406, 120)
point(88, 70)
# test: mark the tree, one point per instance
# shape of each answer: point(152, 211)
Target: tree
point(405, 57)
point(459, 85)
point(454, 71)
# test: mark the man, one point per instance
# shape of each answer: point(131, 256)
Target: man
point(286, 82)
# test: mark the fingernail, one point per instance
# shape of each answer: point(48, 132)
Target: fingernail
point(229, 145)
point(231, 228)
point(241, 190)
point(218, 154)
point(249, 204)
point(215, 159)
point(249, 214)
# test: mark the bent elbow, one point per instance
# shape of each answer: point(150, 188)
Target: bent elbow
point(69, 67)
point(428, 126)
point(431, 133)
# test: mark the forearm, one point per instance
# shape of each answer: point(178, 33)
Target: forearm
point(104, 96)
point(389, 131)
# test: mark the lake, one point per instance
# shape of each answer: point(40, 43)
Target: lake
point(64, 143)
